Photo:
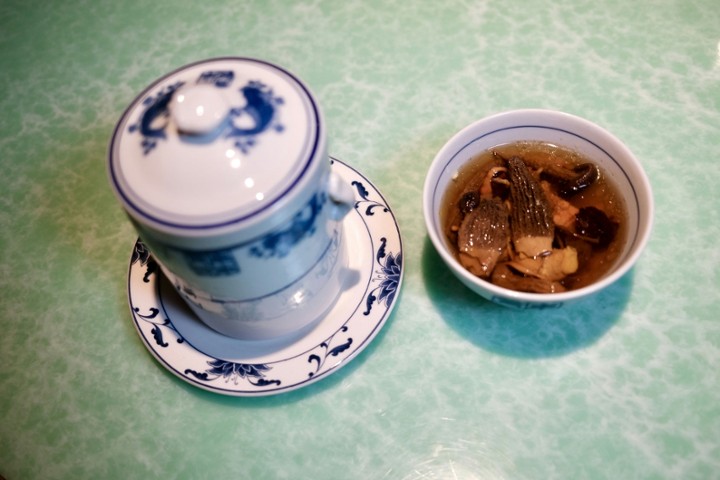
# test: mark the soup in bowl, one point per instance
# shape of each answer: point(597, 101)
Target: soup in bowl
point(535, 208)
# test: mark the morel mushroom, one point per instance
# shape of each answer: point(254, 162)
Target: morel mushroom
point(530, 214)
point(483, 237)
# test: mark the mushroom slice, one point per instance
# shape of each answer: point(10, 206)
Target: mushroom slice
point(570, 181)
point(564, 212)
point(505, 276)
point(483, 237)
point(531, 215)
point(556, 266)
point(495, 183)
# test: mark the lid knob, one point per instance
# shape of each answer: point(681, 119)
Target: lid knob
point(198, 110)
point(217, 144)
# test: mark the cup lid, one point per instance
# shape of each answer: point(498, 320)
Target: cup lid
point(215, 143)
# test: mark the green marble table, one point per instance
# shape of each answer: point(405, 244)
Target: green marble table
point(622, 385)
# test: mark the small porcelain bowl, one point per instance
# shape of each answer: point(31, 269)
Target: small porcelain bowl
point(613, 158)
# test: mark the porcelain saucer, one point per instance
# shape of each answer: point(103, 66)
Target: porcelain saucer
point(204, 358)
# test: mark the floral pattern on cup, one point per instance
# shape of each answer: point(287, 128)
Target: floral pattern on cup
point(277, 303)
point(276, 244)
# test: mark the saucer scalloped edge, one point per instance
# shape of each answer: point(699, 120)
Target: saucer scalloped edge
point(206, 359)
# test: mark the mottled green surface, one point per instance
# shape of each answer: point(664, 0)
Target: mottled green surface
point(624, 385)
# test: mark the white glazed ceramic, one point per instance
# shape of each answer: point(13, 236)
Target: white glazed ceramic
point(222, 167)
point(204, 358)
point(613, 157)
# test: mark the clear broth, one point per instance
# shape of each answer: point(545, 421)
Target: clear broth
point(602, 194)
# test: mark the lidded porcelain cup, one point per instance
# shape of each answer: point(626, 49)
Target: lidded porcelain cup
point(222, 168)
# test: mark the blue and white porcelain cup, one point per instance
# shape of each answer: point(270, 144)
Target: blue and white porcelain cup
point(222, 168)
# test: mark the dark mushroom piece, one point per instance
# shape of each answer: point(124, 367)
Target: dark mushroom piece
point(571, 181)
point(495, 184)
point(594, 225)
point(468, 202)
point(530, 213)
point(483, 237)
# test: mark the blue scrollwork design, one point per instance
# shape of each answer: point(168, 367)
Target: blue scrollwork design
point(388, 276)
point(276, 244)
point(158, 336)
point(371, 205)
point(280, 243)
point(156, 109)
point(260, 108)
point(258, 115)
point(329, 351)
point(390, 264)
point(216, 263)
point(142, 254)
point(219, 78)
point(232, 371)
point(152, 318)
